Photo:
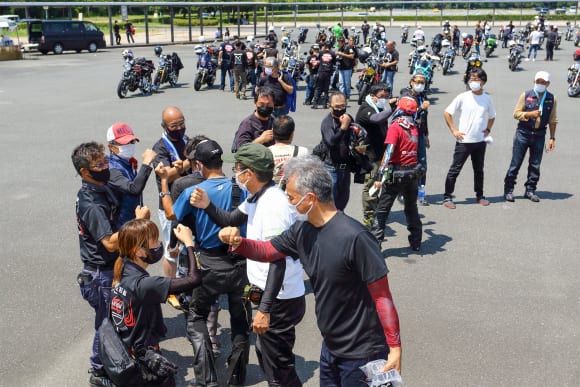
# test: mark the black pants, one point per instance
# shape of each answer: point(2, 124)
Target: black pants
point(117, 38)
point(215, 282)
point(274, 348)
point(322, 86)
point(474, 150)
point(389, 192)
point(550, 50)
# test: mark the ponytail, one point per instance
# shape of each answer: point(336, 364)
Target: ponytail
point(118, 270)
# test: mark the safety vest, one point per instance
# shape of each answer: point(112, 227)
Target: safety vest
point(533, 101)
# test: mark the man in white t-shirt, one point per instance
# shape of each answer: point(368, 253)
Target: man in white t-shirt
point(282, 150)
point(535, 37)
point(419, 34)
point(282, 304)
point(474, 114)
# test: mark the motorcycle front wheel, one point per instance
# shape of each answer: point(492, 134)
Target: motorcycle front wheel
point(573, 91)
point(173, 78)
point(445, 68)
point(197, 83)
point(122, 89)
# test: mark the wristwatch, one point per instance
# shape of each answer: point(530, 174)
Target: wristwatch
point(161, 194)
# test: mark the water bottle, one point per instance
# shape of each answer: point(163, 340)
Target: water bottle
point(421, 193)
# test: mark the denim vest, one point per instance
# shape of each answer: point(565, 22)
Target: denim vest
point(128, 202)
point(531, 103)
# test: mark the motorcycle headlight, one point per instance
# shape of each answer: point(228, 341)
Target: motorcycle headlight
point(370, 71)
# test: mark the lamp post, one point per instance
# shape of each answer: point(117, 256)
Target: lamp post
point(45, 12)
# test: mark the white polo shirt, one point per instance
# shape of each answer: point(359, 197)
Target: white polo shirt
point(267, 218)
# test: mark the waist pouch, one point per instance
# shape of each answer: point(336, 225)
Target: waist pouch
point(402, 173)
point(253, 294)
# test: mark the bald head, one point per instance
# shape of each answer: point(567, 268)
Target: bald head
point(171, 114)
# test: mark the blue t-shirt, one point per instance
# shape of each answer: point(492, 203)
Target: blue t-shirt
point(219, 192)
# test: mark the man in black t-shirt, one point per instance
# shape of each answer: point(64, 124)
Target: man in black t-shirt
point(97, 212)
point(365, 31)
point(312, 63)
point(225, 64)
point(354, 307)
point(325, 70)
point(279, 83)
point(257, 127)
point(345, 55)
point(239, 66)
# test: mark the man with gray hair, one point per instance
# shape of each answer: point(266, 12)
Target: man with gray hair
point(348, 276)
point(280, 84)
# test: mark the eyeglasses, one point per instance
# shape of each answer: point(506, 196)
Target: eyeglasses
point(101, 165)
point(175, 125)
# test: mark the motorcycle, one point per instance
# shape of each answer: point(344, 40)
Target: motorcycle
point(302, 35)
point(404, 34)
point(206, 67)
point(448, 56)
point(516, 47)
point(137, 74)
point(490, 44)
point(167, 70)
point(415, 56)
point(574, 76)
point(426, 65)
point(474, 61)
point(466, 46)
point(292, 63)
point(558, 40)
point(436, 44)
point(569, 31)
point(368, 76)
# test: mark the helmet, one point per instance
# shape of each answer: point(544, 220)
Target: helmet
point(198, 49)
point(353, 28)
point(286, 40)
point(464, 35)
point(249, 38)
point(283, 29)
point(418, 27)
point(158, 50)
point(201, 39)
point(421, 49)
point(271, 29)
point(445, 43)
point(407, 105)
point(127, 54)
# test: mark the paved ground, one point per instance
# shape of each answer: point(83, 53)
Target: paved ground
point(492, 299)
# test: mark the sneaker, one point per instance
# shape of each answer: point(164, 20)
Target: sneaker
point(532, 196)
point(482, 200)
point(527, 59)
point(533, 60)
point(448, 203)
point(306, 103)
point(509, 197)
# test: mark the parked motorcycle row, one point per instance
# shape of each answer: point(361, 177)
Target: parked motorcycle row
point(138, 72)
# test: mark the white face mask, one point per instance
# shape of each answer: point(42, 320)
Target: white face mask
point(419, 87)
point(268, 70)
point(475, 85)
point(240, 184)
point(296, 213)
point(381, 103)
point(538, 88)
point(126, 151)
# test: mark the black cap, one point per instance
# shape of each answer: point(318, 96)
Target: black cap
point(205, 151)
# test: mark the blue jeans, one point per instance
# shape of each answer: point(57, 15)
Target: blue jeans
point(524, 140)
point(388, 77)
point(310, 88)
point(98, 294)
point(337, 371)
point(340, 185)
point(534, 48)
point(225, 68)
point(344, 77)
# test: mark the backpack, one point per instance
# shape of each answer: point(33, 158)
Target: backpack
point(291, 98)
point(279, 170)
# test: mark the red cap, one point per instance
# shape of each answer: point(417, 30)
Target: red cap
point(121, 133)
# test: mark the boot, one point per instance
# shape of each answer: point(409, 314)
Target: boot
point(378, 226)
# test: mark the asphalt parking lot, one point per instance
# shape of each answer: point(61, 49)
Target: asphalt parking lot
point(493, 298)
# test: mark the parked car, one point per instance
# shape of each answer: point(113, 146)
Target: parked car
point(65, 35)
point(560, 11)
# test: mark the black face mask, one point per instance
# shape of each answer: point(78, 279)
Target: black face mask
point(176, 135)
point(155, 254)
point(338, 112)
point(101, 176)
point(265, 111)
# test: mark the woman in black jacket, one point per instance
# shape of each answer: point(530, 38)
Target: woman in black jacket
point(136, 297)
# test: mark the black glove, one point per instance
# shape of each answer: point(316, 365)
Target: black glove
point(158, 364)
